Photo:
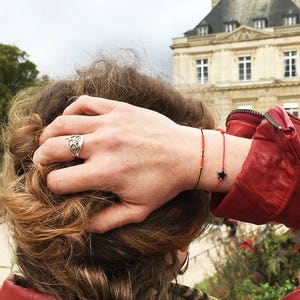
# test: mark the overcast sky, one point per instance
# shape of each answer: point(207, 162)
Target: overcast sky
point(59, 35)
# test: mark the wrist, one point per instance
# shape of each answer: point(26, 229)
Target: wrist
point(189, 154)
point(224, 153)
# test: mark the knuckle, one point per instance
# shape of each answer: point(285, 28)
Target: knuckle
point(78, 103)
point(98, 122)
point(95, 141)
point(115, 139)
point(60, 122)
point(141, 217)
point(124, 107)
point(54, 183)
point(82, 99)
point(110, 138)
point(49, 147)
point(37, 157)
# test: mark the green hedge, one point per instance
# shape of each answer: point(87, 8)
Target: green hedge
point(261, 266)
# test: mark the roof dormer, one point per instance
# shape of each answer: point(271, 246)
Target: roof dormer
point(230, 26)
point(203, 28)
point(259, 23)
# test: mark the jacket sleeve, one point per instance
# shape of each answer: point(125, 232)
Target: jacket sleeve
point(267, 188)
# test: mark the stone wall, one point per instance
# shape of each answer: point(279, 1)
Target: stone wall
point(225, 91)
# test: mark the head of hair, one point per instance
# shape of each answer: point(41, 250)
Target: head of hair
point(53, 251)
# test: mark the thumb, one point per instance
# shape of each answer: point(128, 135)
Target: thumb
point(116, 216)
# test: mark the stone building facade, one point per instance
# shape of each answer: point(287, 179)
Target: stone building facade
point(243, 54)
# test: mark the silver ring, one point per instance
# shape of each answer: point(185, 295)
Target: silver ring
point(75, 143)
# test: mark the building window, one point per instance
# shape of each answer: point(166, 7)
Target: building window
point(290, 20)
point(290, 64)
point(245, 106)
point(230, 26)
point(245, 68)
point(202, 71)
point(292, 108)
point(203, 30)
point(260, 23)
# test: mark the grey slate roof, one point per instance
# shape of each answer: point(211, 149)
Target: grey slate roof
point(244, 11)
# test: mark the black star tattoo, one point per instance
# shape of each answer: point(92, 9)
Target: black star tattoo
point(221, 175)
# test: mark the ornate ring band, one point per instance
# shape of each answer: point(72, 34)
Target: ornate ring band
point(75, 143)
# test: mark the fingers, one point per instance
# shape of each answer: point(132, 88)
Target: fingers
point(116, 216)
point(69, 125)
point(79, 178)
point(91, 106)
point(57, 149)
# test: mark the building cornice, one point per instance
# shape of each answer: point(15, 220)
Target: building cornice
point(274, 84)
point(215, 88)
point(240, 35)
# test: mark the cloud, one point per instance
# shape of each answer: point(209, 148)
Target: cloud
point(59, 34)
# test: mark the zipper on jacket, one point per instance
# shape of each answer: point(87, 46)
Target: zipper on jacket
point(246, 112)
point(272, 121)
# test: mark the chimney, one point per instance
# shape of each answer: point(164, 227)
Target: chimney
point(215, 2)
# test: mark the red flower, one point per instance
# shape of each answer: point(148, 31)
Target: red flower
point(247, 245)
point(295, 249)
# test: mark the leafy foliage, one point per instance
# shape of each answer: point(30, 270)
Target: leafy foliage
point(263, 266)
point(16, 72)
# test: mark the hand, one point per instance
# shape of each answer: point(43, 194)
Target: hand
point(138, 154)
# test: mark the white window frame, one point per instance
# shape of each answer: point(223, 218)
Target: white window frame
point(289, 20)
point(292, 108)
point(290, 64)
point(245, 68)
point(202, 70)
point(229, 27)
point(260, 23)
point(203, 30)
point(245, 106)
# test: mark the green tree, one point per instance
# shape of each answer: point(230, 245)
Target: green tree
point(16, 72)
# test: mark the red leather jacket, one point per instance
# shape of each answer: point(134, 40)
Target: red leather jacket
point(11, 291)
point(267, 188)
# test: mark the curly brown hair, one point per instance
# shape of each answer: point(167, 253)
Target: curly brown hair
point(54, 253)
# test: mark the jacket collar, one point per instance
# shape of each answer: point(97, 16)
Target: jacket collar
point(11, 291)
